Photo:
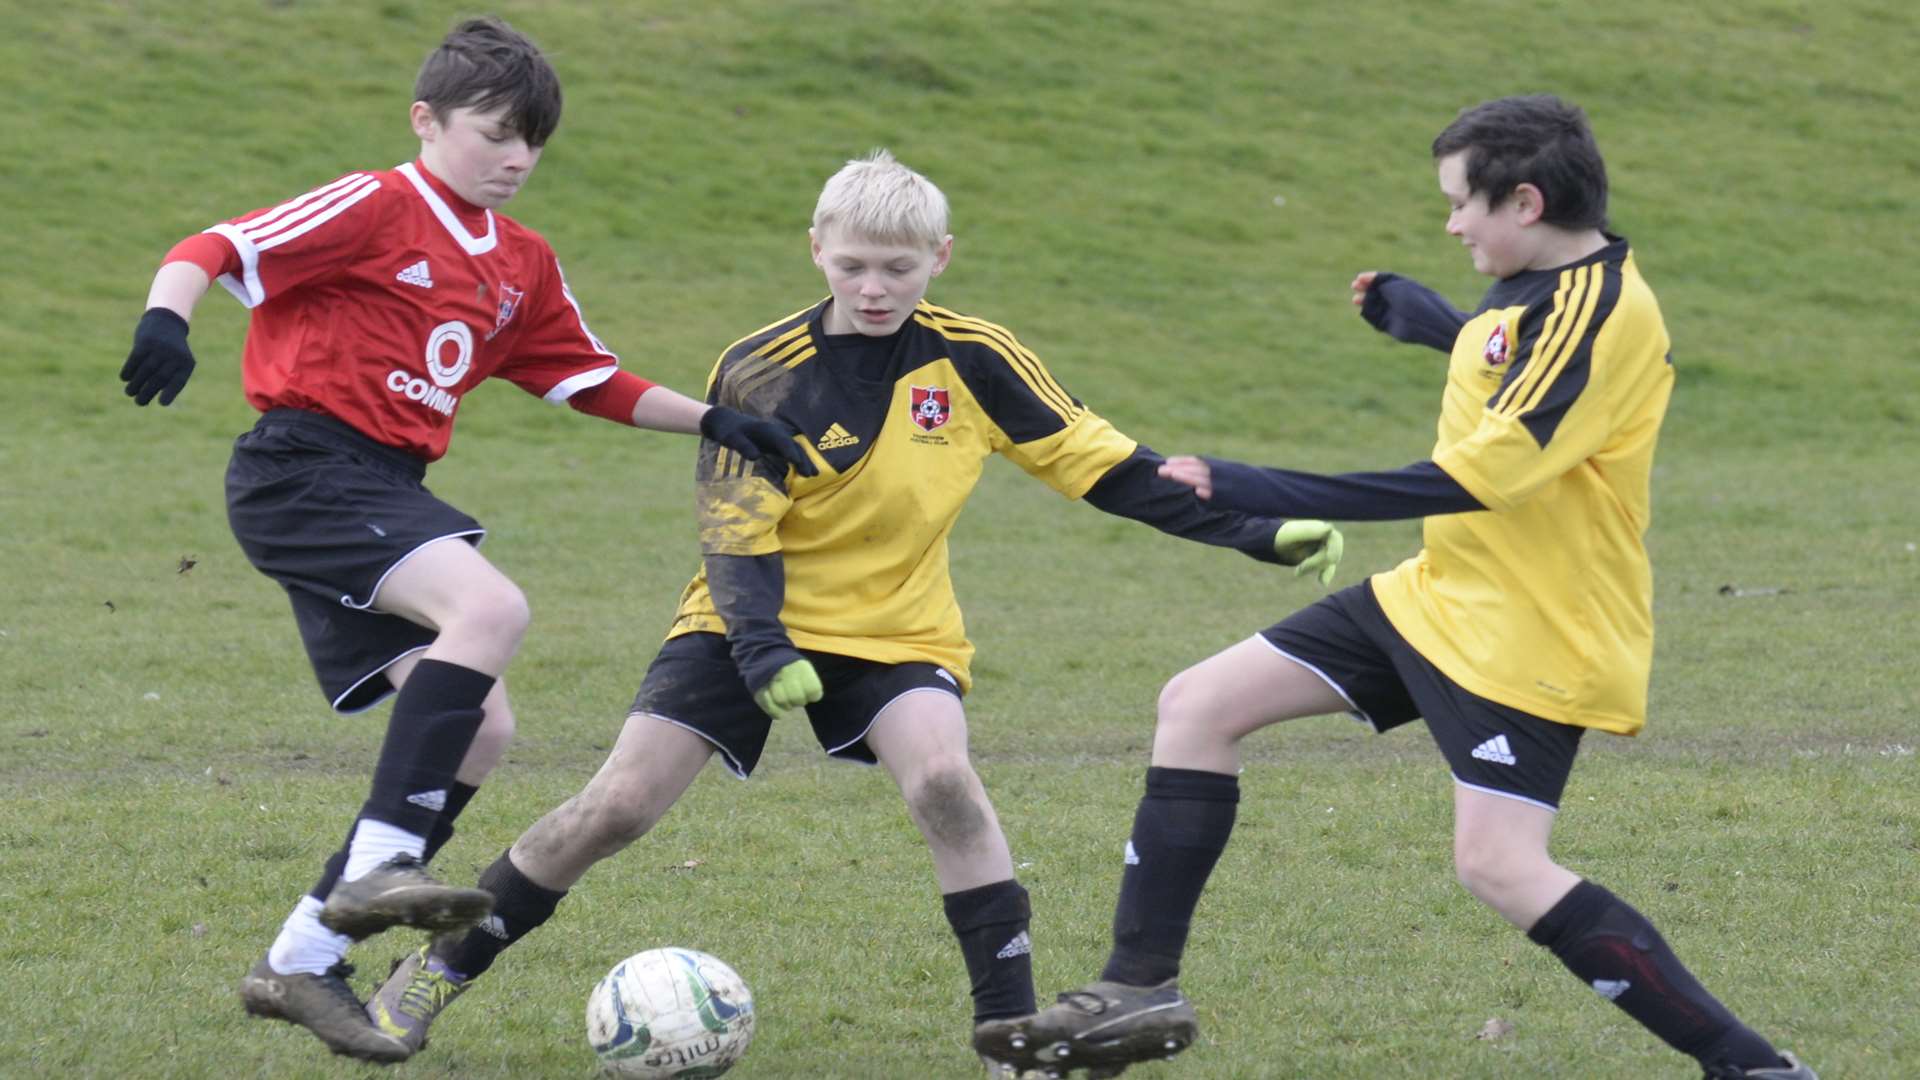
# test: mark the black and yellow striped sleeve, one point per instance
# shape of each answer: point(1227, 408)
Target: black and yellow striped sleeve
point(738, 503)
point(1037, 423)
point(1017, 391)
point(1549, 413)
point(1556, 350)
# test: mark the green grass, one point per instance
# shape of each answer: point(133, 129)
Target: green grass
point(1166, 202)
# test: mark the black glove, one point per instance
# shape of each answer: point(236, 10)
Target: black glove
point(750, 437)
point(160, 361)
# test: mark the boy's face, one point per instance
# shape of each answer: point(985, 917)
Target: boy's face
point(875, 286)
point(1499, 239)
point(475, 153)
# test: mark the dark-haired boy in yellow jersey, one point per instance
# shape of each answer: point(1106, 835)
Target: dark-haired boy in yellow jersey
point(831, 592)
point(1524, 621)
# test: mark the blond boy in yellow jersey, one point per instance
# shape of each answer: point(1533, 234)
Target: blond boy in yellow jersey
point(1524, 621)
point(830, 591)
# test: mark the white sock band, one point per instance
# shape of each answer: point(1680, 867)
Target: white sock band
point(304, 947)
point(374, 842)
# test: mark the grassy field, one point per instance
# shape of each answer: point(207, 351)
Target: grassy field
point(1166, 202)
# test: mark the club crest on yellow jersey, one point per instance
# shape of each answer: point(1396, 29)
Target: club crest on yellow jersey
point(1495, 352)
point(931, 406)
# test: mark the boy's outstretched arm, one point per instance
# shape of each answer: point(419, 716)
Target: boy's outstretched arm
point(1135, 488)
point(1054, 437)
point(1407, 310)
point(656, 408)
point(1419, 490)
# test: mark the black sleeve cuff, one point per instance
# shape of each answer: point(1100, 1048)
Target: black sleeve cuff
point(1408, 311)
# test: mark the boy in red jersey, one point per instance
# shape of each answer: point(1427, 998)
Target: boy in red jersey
point(1524, 621)
point(378, 301)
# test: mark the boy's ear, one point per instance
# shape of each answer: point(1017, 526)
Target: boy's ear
point(420, 114)
point(813, 241)
point(942, 255)
point(1529, 205)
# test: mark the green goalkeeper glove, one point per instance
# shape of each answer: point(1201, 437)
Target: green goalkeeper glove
point(1310, 547)
point(792, 686)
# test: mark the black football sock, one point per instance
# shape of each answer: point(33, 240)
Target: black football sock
point(1615, 950)
point(991, 923)
point(433, 724)
point(519, 907)
point(1179, 831)
point(458, 796)
point(336, 865)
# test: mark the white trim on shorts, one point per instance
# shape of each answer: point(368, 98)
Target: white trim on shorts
point(362, 680)
point(1353, 710)
point(726, 756)
point(1360, 714)
point(1503, 794)
point(349, 601)
point(954, 694)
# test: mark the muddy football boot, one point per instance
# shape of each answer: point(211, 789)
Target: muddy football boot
point(400, 892)
point(420, 986)
point(1102, 1028)
point(323, 1004)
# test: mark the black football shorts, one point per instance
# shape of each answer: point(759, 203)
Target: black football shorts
point(1347, 640)
point(694, 684)
point(329, 513)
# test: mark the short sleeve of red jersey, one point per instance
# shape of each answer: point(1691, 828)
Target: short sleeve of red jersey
point(208, 252)
point(556, 355)
point(300, 239)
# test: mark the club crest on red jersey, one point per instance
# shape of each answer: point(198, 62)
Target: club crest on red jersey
point(931, 406)
point(1495, 353)
point(510, 298)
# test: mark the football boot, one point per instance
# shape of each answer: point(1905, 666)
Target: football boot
point(400, 892)
point(323, 1004)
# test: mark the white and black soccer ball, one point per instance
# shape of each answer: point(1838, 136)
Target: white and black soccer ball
point(669, 1013)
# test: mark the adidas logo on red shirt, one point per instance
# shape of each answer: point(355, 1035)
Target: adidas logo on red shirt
point(417, 274)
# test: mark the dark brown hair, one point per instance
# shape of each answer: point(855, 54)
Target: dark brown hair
point(485, 64)
point(1536, 139)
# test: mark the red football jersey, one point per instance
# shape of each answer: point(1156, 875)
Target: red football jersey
point(382, 297)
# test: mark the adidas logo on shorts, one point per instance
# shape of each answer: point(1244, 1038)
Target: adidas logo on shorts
point(1495, 750)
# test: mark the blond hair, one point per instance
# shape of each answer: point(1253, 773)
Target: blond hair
point(878, 199)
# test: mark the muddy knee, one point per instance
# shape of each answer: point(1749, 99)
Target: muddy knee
point(950, 808)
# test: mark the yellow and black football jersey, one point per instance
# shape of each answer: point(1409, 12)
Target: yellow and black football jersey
point(853, 561)
point(1555, 392)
